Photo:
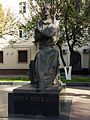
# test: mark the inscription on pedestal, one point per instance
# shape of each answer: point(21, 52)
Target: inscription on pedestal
point(32, 98)
point(36, 104)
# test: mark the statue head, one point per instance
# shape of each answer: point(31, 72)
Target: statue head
point(46, 11)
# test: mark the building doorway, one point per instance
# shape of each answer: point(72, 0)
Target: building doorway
point(76, 61)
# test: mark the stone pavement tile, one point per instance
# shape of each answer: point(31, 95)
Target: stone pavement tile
point(3, 104)
point(80, 109)
point(4, 89)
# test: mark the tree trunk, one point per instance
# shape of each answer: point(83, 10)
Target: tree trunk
point(61, 55)
point(68, 72)
point(72, 57)
point(89, 63)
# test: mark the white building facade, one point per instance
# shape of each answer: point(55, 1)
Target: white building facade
point(15, 59)
point(81, 62)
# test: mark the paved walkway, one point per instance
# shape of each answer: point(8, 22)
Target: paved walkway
point(80, 108)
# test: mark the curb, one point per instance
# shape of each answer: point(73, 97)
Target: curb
point(13, 83)
point(83, 84)
point(80, 84)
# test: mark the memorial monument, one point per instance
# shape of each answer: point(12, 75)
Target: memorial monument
point(46, 63)
point(45, 95)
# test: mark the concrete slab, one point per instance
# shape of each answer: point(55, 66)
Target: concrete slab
point(80, 109)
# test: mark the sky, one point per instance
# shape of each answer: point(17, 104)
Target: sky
point(9, 4)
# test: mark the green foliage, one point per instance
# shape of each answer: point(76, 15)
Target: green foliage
point(75, 26)
point(30, 25)
point(74, 22)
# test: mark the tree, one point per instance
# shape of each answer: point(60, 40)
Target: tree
point(74, 24)
point(87, 3)
point(8, 24)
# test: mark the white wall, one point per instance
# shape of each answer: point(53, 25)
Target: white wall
point(10, 59)
point(10, 54)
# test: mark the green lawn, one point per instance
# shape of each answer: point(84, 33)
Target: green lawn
point(14, 79)
point(76, 79)
point(25, 79)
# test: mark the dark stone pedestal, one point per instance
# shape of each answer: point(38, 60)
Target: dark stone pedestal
point(27, 101)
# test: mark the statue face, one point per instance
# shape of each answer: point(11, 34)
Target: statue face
point(46, 10)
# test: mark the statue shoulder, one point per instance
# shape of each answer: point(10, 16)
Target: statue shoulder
point(39, 23)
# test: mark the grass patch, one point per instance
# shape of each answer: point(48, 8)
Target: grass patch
point(14, 79)
point(26, 79)
point(76, 79)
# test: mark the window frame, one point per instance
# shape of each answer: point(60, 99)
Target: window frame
point(1, 60)
point(22, 7)
point(22, 33)
point(19, 59)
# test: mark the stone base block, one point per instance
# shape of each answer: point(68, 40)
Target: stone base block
point(47, 102)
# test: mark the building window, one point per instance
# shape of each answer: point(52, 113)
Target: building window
point(22, 7)
point(20, 32)
point(1, 56)
point(22, 56)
